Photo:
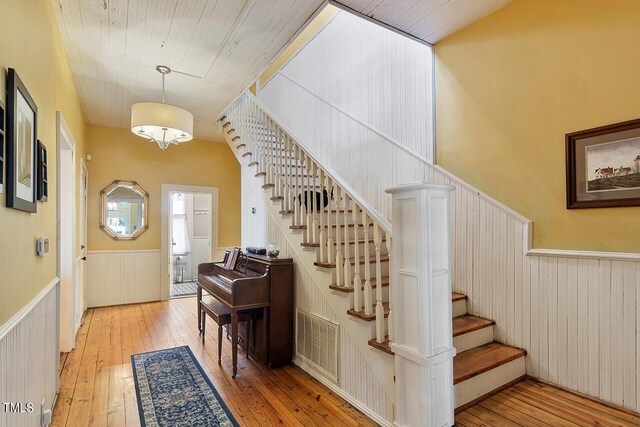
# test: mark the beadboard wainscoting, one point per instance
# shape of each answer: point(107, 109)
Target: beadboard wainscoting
point(123, 277)
point(29, 358)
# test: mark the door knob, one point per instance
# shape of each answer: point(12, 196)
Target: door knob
point(84, 258)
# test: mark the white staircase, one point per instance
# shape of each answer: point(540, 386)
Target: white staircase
point(348, 244)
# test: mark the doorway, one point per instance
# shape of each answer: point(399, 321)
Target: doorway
point(66, 212)
point(81, 277)
point(190, 230)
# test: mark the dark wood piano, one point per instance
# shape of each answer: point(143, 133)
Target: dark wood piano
point(265, 286)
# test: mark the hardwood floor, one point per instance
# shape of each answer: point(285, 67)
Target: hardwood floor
point(529, 403)
point(97, 387)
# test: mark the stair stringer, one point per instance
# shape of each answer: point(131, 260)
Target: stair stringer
point(381, 364)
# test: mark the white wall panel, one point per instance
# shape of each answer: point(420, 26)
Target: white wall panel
point(123, 277)
point(29, 358)
point(354, 88)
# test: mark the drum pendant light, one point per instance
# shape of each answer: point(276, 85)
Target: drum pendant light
point(162, 123)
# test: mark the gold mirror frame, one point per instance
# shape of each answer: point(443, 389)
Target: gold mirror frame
point(103, 209)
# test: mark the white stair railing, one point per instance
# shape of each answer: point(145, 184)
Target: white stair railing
point(347, 231)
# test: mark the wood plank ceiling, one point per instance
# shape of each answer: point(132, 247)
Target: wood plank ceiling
point(114, 46)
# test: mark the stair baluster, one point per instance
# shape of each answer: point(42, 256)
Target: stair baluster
point(339, 257)
point(330, 240)
point(388, 243)
point(377, 241)
point(347, 259)
point(289, 196)
point(305, 199)
point(357, 281)
point(321, 214)
point(368, 297)
point(296, 189)
point(314, 203)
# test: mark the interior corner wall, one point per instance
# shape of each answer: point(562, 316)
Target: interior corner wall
point(508, 89)
point(32, 45)
point(119, 154)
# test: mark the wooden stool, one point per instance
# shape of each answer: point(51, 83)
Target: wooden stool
point(221, 314)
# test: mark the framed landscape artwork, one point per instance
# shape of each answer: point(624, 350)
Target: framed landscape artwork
point(21, 145)
point(603, 166)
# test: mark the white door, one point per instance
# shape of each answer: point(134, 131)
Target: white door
point(81, 283)
point(66, 190)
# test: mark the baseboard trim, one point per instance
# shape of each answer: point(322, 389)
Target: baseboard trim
point(16, 318)
point(308, 368)
point(113, 251)
point(567, 253)
point(585, 396)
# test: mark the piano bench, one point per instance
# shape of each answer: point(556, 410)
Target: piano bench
point(221, 314)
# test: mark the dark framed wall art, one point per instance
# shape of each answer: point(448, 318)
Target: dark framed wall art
point(603, 166)
point(2, 128)
point(21, 145)
point(43, 179)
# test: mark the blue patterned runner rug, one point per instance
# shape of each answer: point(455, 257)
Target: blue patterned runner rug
point(173, 390)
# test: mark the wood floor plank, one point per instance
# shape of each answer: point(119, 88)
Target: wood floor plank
point(522, 407)
point(491, 417)
point(592, 413)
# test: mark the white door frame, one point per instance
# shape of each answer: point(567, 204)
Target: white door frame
point(81, 297)
point(66, 231)
point(165, 208)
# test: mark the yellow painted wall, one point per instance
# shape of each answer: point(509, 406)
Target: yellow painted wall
point(319, 21)
point(31, 44)
point(119, 154)
point(509, 87)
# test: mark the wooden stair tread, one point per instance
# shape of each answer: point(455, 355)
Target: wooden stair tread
point(479, 360)
point(248, 153)
point(369, 317)
point(235, 138)
point(372, 260)
point(241, 144)
point(254, 163)
point(468, 323)
point(458, 297)
point(304, 227)
point(261, 174)
point(383, 346)
point(277, 198)
point(332, 211)
point(374, 284)
point(351, 242)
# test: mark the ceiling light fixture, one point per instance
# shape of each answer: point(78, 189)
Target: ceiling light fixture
point(162, 123)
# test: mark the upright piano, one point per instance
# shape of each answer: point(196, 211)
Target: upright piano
point(264, 285)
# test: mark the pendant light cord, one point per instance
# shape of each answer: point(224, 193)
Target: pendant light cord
point(163, 74)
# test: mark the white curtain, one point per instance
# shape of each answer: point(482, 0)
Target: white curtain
point(180, 231)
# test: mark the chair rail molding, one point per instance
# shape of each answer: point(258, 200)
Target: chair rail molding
point(422, 329)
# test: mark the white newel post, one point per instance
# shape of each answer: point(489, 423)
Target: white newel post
point(421, 293)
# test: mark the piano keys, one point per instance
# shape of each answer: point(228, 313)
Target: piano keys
point(264, 285)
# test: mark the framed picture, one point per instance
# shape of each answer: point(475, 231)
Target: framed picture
point(603, 166)
point(2, 128)
point(43, 179)
point(21, 145)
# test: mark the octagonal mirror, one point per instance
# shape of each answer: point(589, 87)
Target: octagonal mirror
point(124, 207)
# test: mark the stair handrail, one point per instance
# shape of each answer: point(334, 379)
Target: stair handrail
point(385, 224)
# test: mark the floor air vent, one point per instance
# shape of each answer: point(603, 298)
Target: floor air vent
point(317, 343)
